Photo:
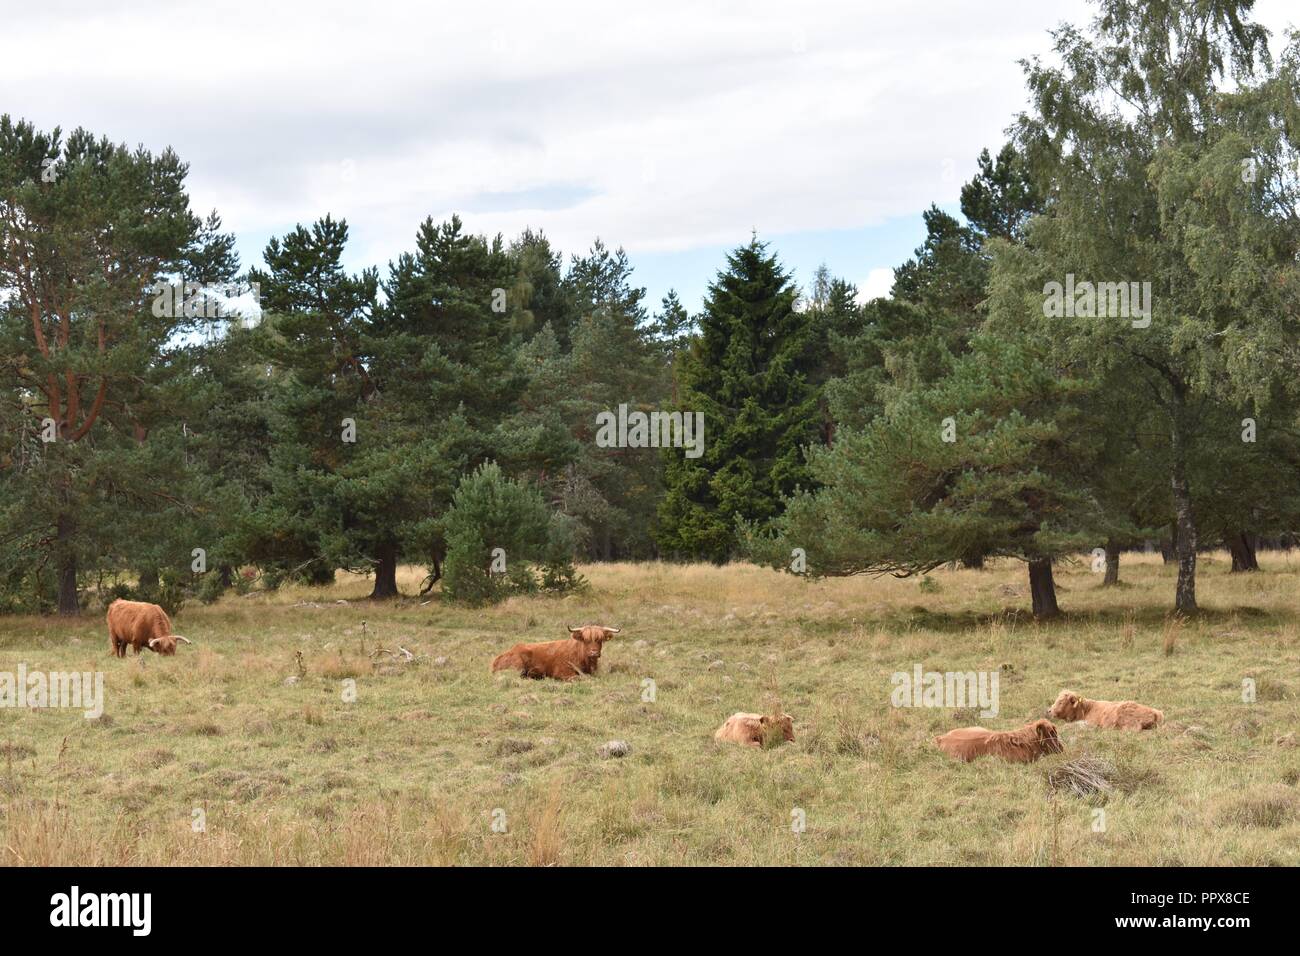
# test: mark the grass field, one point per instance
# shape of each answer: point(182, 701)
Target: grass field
point(431, 753)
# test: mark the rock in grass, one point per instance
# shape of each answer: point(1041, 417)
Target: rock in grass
point(615, 748)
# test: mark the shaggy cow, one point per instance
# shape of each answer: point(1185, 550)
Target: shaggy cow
point(1023, 745)
point(138, 624)
point(1111, 714)
point(563, 660)
point(751, 729)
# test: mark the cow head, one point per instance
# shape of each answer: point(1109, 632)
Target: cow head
point(166, 644)
point(592, 636)
point(776, 728)
point(1049, 742)
point(1068, 706)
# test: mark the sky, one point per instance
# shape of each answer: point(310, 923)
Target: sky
point(672, 129)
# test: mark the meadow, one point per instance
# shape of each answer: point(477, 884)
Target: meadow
point(249, 748)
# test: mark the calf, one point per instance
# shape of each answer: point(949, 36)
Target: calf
point(752, 729)
point(563, 660)
point(1023, 745)
point(137, 624)
point(1111, 714)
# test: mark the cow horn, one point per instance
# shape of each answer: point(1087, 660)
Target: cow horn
point(613, 630)
point(185, 639)
point(153, 641)
point(572, 628)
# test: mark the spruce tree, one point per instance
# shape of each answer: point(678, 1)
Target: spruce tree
point(748, 372)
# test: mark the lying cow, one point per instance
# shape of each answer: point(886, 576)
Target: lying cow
point(1023, 745)
point(137, 624)
point(752, 729)
point(1111, 714)
point(563, 660)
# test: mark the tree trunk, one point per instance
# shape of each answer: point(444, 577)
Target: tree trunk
point(149, 580)
point(1112, 564)
point(227, 576)
point(385, 573)
point(1243, 553)
point(434, 577)
point(1043, 588)
point(67, 568)
point(1185, 520)
point(1166, 546)
point(975, 562)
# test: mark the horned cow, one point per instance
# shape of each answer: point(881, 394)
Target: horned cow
point(138, 624)
point(562, 660)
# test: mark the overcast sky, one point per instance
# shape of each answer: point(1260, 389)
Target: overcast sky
point(671, 129)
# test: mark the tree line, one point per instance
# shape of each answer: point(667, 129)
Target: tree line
point(444, 411)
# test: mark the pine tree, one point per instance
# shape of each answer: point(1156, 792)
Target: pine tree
point(318, 325)
point(448, 369)
point(983, 462)
point(610, 493)
point(937, 301)
point(89, 230)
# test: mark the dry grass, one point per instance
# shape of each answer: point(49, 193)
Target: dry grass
point(415, 769)
point(1084, 777)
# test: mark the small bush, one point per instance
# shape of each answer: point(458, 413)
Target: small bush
point(211, 587)
point(169, 594)
point(490, 511)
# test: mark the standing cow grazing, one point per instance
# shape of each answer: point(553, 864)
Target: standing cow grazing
point(563, 660)
point(138, 624)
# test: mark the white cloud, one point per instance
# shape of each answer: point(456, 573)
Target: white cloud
point(673, 126)
point(876, 285)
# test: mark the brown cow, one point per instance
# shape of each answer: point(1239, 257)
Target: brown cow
point(138, 624)
point(751, 729)
point(1111, 714)
point(563, 660)
point(1023, 745)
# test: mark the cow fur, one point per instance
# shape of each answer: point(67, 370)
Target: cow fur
point(1110, 714)
point(562, 660)
point(1023, 745)
point(750, 729)
point(137, 624)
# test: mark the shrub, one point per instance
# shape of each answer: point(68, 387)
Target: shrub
point(211, 587)
point(491, 511)
point(169, 594)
